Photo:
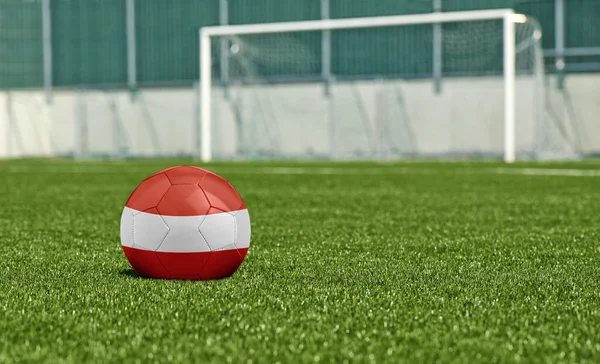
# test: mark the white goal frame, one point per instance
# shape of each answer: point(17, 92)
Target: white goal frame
point(509, 17)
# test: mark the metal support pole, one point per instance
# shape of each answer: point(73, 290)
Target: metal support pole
point(559, 35)
point(224, 47)
point(509, 89)
point(437, 49)
point(197, 122)
point(205, 147)
point(540, 102)
point(81, 132)
point(326, 75)
point(326, 49)
point(9, 124)
point(47, 48)
point(131, 44)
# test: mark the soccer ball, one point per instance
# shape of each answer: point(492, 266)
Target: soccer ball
point(185, 223)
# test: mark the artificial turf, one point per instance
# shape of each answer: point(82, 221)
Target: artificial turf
point(349, 262)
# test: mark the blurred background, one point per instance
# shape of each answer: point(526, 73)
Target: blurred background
point(119, 79)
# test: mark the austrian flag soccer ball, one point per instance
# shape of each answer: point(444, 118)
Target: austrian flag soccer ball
point(185, 223)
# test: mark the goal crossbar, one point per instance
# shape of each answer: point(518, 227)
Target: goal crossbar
point(204, 142)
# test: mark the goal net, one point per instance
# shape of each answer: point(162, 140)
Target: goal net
point(440, 85)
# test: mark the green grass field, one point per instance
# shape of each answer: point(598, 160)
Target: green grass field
point(349, 262)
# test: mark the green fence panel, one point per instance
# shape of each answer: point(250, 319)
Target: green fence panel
point(287, 55)
point(393, 51)
point(21, 54)
point(384, 51)
point(167, 39)
point(583, 27)
point(583, 22)
point(267, 11)
point(541, 10)
point(544, 13)
point(89, 42)
point(363, 8)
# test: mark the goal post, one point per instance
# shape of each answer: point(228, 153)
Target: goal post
point(506, 16)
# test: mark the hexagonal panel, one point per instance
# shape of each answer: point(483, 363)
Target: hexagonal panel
point(183, 200)
point(126, 227)
point(162, 171)
point(183, 265)
point(221, 193)
point(218, 229)
point(149, 230)
point(148, 193)
point(182, 175)
point(242, 225)
point(243, 252)
point(145, 263)
point(184, 235)
point(222, 264)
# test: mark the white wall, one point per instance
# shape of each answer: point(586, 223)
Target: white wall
point(25, 125)
point(297, 119)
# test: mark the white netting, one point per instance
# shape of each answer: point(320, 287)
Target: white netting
point(270, 99)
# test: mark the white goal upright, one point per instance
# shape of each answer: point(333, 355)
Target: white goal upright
point(352, 88)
